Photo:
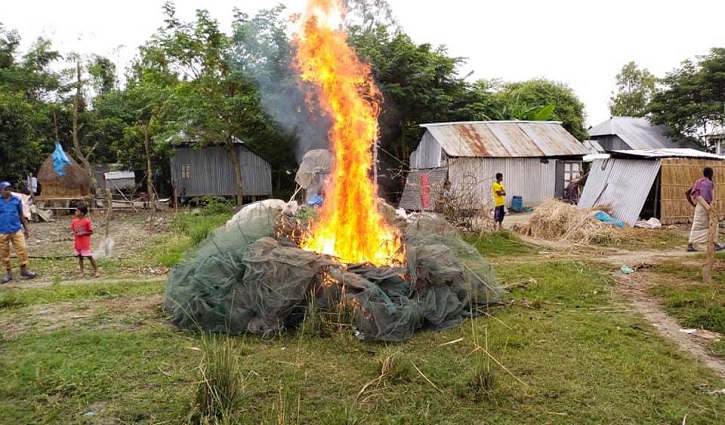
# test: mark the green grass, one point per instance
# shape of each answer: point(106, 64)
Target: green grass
point(18, 296)
point(569, 357)
point(500, 244)
point(695, 305)
point(188, 230)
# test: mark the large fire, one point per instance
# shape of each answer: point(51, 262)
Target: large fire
point(349, 226)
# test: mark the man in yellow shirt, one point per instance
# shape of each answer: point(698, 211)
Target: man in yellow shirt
point(499, 199)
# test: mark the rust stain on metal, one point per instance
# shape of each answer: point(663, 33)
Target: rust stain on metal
point(473, 140)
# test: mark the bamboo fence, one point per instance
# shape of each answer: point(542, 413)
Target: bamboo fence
point(678, 175)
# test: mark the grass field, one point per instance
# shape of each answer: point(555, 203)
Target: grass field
point(562, 349)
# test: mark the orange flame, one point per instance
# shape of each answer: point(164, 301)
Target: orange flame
point(350, 226)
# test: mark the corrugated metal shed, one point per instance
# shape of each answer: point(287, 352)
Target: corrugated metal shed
point(209, 171)
point(637, 133)
point(668, 153)
point(502, 139)
point(119, 175)
point(593, 147)
point(119, 180)
point(529, 178)
point(623, 183)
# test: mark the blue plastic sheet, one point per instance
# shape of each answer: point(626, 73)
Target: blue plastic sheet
point(315, 201)
point(60, 160)
point(606, 218)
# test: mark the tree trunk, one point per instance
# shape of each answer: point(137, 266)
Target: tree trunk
point(234, 155)
point(76, 142)
point(150, 196)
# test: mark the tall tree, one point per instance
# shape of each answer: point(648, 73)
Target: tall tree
point(635, 88)
point(692, 100)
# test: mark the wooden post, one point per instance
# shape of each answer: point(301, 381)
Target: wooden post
point(713, 222)
point(109, 211)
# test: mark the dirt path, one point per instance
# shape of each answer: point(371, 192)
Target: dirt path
point(634, 288)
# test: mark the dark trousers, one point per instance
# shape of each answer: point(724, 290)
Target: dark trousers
point(498, 214)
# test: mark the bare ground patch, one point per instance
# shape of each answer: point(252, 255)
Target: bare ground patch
point(122, 313)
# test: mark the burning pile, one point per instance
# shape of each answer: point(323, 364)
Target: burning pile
point(248, 277)
point(259, 276)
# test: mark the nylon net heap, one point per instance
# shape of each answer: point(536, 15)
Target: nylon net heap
point(266, 271)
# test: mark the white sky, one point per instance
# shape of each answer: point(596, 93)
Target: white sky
point(578, 42)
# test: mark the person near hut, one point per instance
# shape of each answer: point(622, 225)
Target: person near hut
point(499, 200)
point(573, 191)
point(13, 230)
point(703, 188)
point(444, 202)
point(83, 229)
point(183, 197)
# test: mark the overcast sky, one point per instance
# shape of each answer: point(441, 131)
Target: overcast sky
point(580, 43)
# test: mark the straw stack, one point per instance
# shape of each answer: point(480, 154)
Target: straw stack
point(556, 220)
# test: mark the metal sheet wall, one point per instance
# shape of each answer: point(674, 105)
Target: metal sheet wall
point(623, 183)
point(529, 178)
point(428, 153)
point(212, 172)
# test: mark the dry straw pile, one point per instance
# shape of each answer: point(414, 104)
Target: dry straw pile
point(556, 220)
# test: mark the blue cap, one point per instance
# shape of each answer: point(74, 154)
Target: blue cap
point(4, 185)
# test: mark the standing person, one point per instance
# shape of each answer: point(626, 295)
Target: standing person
point(83, 229)
point(705, 188)
point(499, 200)
point(13, 229)
point(183, 199)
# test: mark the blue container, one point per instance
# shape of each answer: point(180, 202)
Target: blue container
point(517, 204)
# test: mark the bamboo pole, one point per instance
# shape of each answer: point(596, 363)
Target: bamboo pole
point(711, 239)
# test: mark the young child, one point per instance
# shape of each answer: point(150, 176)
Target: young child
point(83, 229)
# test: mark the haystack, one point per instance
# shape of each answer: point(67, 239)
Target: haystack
point(556, 220)
point(74, 184)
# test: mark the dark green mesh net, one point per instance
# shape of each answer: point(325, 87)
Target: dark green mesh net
point(247, 278)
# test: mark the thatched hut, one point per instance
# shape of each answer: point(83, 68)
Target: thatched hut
point(75, 184)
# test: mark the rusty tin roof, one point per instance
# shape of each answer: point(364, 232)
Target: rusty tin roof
point(505, 139)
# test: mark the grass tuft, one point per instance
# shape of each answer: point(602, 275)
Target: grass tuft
point(395, 366)
point(219, 392)
point(482, 379)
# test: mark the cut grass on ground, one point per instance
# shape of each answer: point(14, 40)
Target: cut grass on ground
point(567, 354)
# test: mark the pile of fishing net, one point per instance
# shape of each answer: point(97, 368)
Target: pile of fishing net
point(250, 276)
point(557, 220)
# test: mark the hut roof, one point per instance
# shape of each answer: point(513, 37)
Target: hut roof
point(505, 139)
point(74, 176)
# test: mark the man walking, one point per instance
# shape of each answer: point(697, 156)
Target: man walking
point(704, 188)
point(13, 229)
point(499, 200)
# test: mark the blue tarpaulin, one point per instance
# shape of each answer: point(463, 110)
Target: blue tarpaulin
point(606, 218)
point(60, 160)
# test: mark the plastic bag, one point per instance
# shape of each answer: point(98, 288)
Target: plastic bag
point(60, 160)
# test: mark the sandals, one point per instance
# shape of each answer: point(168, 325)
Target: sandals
point(27, 275)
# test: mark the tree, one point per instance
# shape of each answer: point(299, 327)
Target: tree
point(635, 88)
point(692, 100)
point(567, 108)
